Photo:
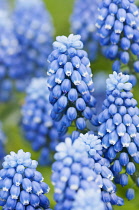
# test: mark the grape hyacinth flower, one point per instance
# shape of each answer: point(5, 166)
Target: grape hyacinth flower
point(79, 166)
point(2, 144)
point(118, 28)
point(9, 50)
point(34, 31)
point(88, 199)
point(83, 22)
point(21, 185)
point(119, 127)
point(38, 127)
point(70, 84)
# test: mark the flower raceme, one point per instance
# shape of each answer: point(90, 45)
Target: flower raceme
point(38, 127)
point(21, 185)
point(83, 22)
point(118, 28)
point(34, 31)
point(80, 168)
point(119, 127)
point(70, 84)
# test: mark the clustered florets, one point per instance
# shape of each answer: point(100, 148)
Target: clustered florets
point(83, 22)
point(118, 28)
point(70, 84)
point(22, 187)
point(38, 126)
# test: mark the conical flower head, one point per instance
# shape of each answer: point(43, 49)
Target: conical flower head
point(21, 185)
point(79, 166)
point(83, 22)
point(70, 83)
point(38, 127)
point(34, 31)
point(120, 126)
point(118, 28)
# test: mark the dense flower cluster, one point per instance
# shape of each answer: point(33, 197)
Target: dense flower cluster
point(78, 167)
point(118, 28)
point(38, 126)
point(33, 29)
point(9, 50)
point(2, 143)
point(88, 199)
point(119, 129)
point(70, 84)
point(22, 187)
point(83, 22)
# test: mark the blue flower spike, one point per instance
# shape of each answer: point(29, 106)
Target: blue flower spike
point(70, 84)
point(21, 185)
point(80, 168)
point(118, 30)
point(119, 127)
point(34, 31)
point(38, 127)
point(83, 22)
point(9, 55)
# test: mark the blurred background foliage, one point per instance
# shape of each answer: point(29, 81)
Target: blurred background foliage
point(60, 11)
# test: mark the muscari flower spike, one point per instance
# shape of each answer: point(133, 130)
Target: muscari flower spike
point(34, 31)
point(119, 127)
point(118, 28)
point(83, 22)
point(70, 84)
point(38, 127)
point(79, 166)
point(2, 143)
point(21, 185)
point(9, 51)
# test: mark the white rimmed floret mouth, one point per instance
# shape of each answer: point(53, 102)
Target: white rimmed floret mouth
point(5, 189)
point(100, 17)
point(118, 31)
point(68, 73)
point(77, 82)
point(14, 197)
point(64, 178)
point(58, 81)
point(17, 184)
point(57, 190)
point(74, 187)
point(26, 202)
point(133, 135)
point(125, 144)
point(122, 19)
point(90, 178)
point(29, 189)
point(39, 192)
point(108, 27)
point(97, 25)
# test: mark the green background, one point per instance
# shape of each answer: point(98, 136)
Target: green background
point(10, 113)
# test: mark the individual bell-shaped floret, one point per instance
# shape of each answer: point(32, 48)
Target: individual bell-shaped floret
point(34, 31)
point(118, 30)
point(21, 185)
point(119, 126)
point(70, 84)
point(83, 22)
point(38, 127)
point(88, 199)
